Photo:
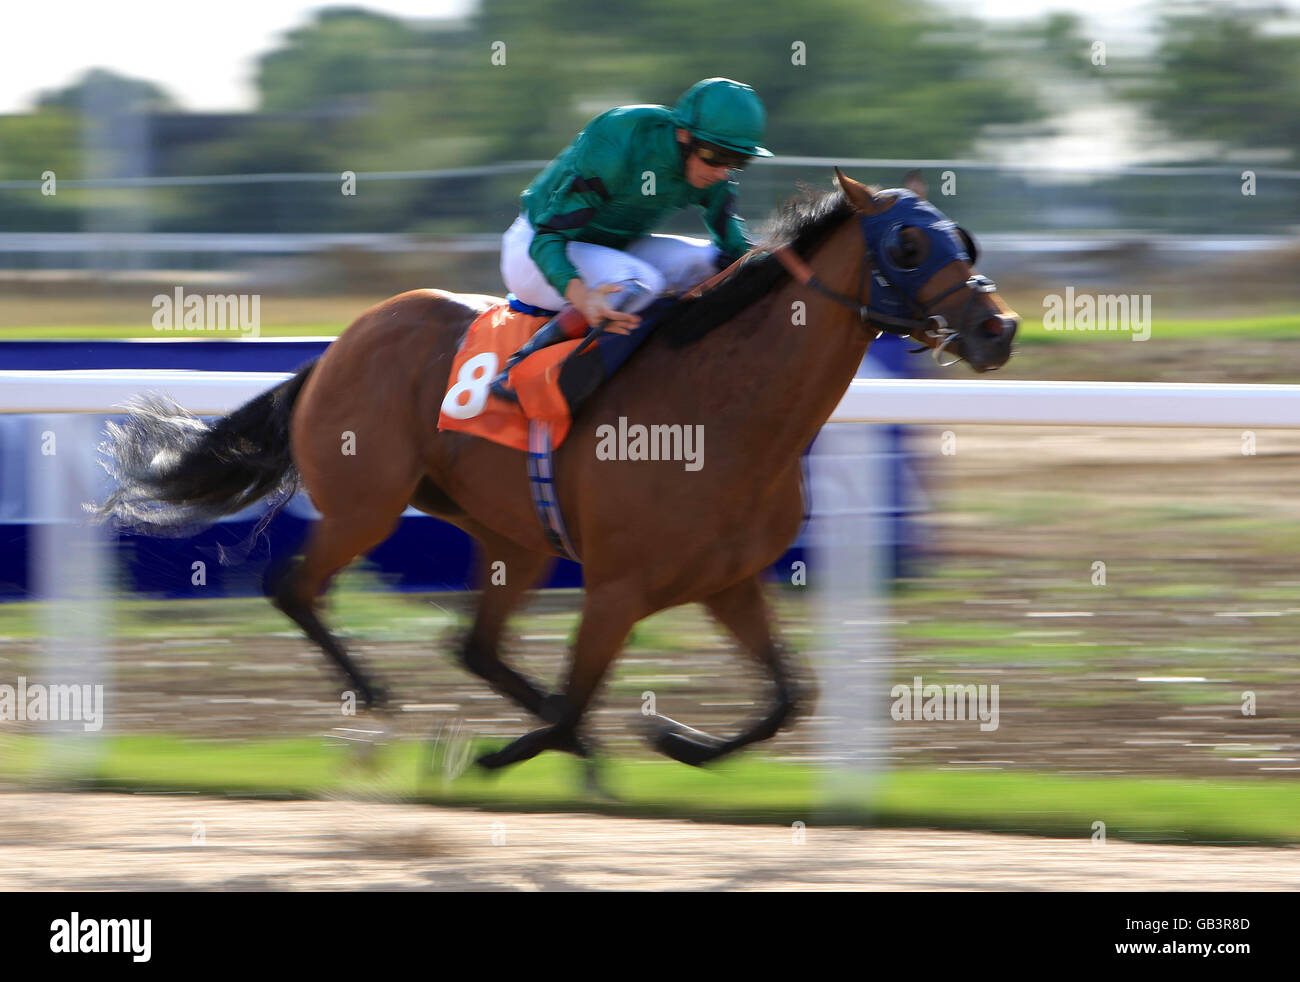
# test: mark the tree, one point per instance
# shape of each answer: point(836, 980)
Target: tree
point(340, 62)
point(101, 90)
point(842, 77)
point(1221, 75)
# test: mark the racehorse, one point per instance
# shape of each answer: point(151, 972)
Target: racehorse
point(650, 533)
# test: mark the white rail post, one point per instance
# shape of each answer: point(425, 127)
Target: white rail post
point(68, 572)
point(849, 538)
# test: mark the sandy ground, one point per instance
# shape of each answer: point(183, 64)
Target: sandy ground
point(141, 842)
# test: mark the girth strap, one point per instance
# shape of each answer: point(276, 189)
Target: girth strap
point(541, 480)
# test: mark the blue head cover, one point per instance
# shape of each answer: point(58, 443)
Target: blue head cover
point(894, 286)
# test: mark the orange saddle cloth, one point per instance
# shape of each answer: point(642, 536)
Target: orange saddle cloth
point(469, 407)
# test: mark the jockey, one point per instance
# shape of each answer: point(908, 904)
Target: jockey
point(581, 244)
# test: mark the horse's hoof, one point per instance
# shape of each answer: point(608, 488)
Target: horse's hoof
point(681, 742)
point(526, 747)
point(375, 698)
point(686, 750)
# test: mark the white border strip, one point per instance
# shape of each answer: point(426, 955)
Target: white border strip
point(917, 401)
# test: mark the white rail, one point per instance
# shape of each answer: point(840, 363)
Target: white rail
point(929, 401)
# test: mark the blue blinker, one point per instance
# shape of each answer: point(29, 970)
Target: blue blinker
point(895, 285)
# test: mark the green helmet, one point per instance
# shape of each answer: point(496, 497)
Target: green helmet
point(724, 112)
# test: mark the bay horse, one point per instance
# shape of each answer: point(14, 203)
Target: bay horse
point(651, 534)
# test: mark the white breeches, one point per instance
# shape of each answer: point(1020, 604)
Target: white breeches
point(664, 263)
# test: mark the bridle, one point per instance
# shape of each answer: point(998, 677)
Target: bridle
point(933, 326)
point(888, 308)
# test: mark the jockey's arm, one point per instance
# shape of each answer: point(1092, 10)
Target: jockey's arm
point(593, 173)
point(725, 226)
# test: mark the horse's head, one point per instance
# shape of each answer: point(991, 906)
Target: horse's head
point(924, 282)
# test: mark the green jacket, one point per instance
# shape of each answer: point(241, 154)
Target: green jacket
point(596, 191)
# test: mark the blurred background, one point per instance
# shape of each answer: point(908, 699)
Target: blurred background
point(1150, 150)
point(196, 148)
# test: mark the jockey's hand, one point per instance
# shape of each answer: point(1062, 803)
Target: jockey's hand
point(594, 303)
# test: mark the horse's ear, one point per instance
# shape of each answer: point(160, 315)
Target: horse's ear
point(859, 194)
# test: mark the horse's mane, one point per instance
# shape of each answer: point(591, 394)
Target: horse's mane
point(803, 222)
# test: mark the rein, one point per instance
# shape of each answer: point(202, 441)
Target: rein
point(934, 326)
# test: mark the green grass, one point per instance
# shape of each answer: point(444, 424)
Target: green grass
point(959, 632)
point(749, 789)
point(1062, 654)
point(360, 605)
point(1273, 327)
point(1180, 591)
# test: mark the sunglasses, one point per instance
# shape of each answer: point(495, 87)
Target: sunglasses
point(716, 156)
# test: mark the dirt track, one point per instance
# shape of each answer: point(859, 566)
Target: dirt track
point(137, 842)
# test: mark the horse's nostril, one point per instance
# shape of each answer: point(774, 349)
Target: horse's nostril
point(1000, 326)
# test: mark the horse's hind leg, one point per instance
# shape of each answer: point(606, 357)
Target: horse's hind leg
point(332, 543)
point(742, 609)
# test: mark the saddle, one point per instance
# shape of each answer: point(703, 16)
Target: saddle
point(552, 384)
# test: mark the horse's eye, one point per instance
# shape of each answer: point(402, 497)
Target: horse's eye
point(904, 253)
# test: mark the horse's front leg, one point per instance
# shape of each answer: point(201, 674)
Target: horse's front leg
point(607, 617)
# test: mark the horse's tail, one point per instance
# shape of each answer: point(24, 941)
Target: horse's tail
point(176, 474)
